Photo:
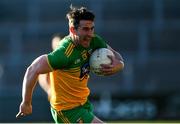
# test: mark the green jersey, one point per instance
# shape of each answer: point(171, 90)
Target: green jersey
point(70, 63)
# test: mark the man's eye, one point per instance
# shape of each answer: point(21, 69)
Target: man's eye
point(88, 29)
point(92, 28)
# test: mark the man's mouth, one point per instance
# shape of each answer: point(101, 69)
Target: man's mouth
point(87, 38)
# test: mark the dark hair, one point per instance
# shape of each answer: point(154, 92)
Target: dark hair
point(75, 15)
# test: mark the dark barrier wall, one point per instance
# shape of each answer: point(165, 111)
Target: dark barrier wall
point(145, 32)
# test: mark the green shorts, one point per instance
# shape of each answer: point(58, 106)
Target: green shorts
point(79, 114)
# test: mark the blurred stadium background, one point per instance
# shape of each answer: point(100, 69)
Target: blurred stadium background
point(145, 32)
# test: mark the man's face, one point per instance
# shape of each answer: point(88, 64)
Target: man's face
point(85, 32)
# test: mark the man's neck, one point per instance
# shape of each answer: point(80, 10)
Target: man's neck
point(74, 38)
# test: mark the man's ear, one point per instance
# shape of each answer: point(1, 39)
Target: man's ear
point(72, 30)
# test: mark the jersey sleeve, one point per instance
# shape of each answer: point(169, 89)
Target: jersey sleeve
point(57, 59)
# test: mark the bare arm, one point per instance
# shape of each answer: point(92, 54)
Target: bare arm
point(117, 55)
point(116, 65)
point(38, 66)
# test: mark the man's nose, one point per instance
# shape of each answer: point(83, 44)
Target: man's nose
point(90, 33)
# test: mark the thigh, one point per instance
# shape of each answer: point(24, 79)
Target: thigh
point(81, 114)
point(96, 120)
point(58, 117)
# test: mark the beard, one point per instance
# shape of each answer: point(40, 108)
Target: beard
point(87, 38)
point(85, 41)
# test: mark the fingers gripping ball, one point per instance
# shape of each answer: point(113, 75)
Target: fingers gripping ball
point(98, 57)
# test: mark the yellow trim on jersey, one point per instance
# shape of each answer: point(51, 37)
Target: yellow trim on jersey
point(49, 63)
point(68, 75)
point(73, 69)
point(74, 77)
point(69, 49)
point(64, 119)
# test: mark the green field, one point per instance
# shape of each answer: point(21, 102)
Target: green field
point(146, 121)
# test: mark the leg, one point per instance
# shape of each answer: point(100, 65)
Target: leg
point(96, 120)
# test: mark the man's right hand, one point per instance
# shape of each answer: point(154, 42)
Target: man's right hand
point(24, 110)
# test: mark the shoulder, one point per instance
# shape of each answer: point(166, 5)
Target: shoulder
point(97, 37)
point(98, 41)
point(65, 42)
point(65, 47)
point(68, 46)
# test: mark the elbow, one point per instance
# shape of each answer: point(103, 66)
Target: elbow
point(32, 70)
point(121, 66)
point(118, 67)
